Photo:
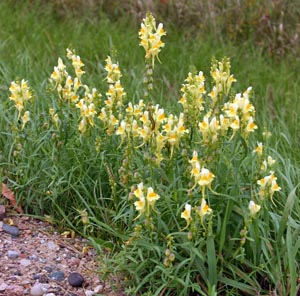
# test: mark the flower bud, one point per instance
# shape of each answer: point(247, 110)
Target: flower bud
point(167, 252)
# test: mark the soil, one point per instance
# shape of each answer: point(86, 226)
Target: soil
point(30, 259)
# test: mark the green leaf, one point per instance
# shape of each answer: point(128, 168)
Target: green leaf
point(211, 261)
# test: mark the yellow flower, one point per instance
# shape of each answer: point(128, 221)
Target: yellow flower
point(259, 149)
point(203, 210)
point(150, 37)
point(139, 191)
point(268, 186)
point(194, 160)
point(20, 94)
point(152, 197)
point(186, 214)
point(253, 208)
point(235, 125)
point(251, 126)
point(113, 71)
point(206, 177)
point(140, 206)
point(196, 171)
point(25, 118)
point(82, 125)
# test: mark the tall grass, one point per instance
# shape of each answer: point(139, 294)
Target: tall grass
point(61, 175)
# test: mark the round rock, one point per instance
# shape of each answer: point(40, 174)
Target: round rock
point(75, 279)
point(57, 276)
point(13, 230)
point(48, 269)
point(12, 254)
point(37, 290)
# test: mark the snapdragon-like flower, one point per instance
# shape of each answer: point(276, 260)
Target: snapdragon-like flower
point(209, 129)
point(259, 149)
point(202, 176)
point(145, 204)
point(206, 177)
point(253, 208)
point(220, 72)
point(267, 163)
point(150, 37)
point(140, 206)
point(87, 113)
point(186, 214)
point(76, 63)
point(25, 118)
point(152, 197)
point(59, 74)
point(192, 93)
point(115, 93)
point(268, 186)
point(113, 71)
point(194, 159)
point(20, 93)
point(54, 117)
point(203, 210)
point(241, 113)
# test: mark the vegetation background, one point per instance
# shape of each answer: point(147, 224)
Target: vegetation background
point(260, 37)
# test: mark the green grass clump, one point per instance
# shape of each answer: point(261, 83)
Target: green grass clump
point(185, 195)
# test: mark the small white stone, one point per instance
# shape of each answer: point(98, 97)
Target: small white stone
point(3, 287)
point(52, 245)
point(25, 262)
point(50, 294)
point(99, 289)
point(89, 293)
point(37, 290)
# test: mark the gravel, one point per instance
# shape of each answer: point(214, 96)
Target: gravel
point(29, 262)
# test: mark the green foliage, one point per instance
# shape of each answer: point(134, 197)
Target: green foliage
point(176, 192)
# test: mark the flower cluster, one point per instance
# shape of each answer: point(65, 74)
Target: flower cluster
point(220, 72)
point(20, 94)
point(201, 212)
point(150, 36)
point(65, 85)
point(202, 176)
point(145, 203)
point(268, 186)
point(241, 113)
point(76, 63)
point(192, 98)
point(68, 90)
point(114, 97)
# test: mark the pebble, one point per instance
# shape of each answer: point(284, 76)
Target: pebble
point(36, 276)
point(50, 294)
point(42, 260)
point(13, 230)
point(48, 269)
point(13, 254)
point(3, 287)
point(89, 293)
point(52, 245)
point(25, 262)
point(99, 289)
point(33, 257)
point(37, 290)
point(75, 279)
point(74, 261)
point(57, 276)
